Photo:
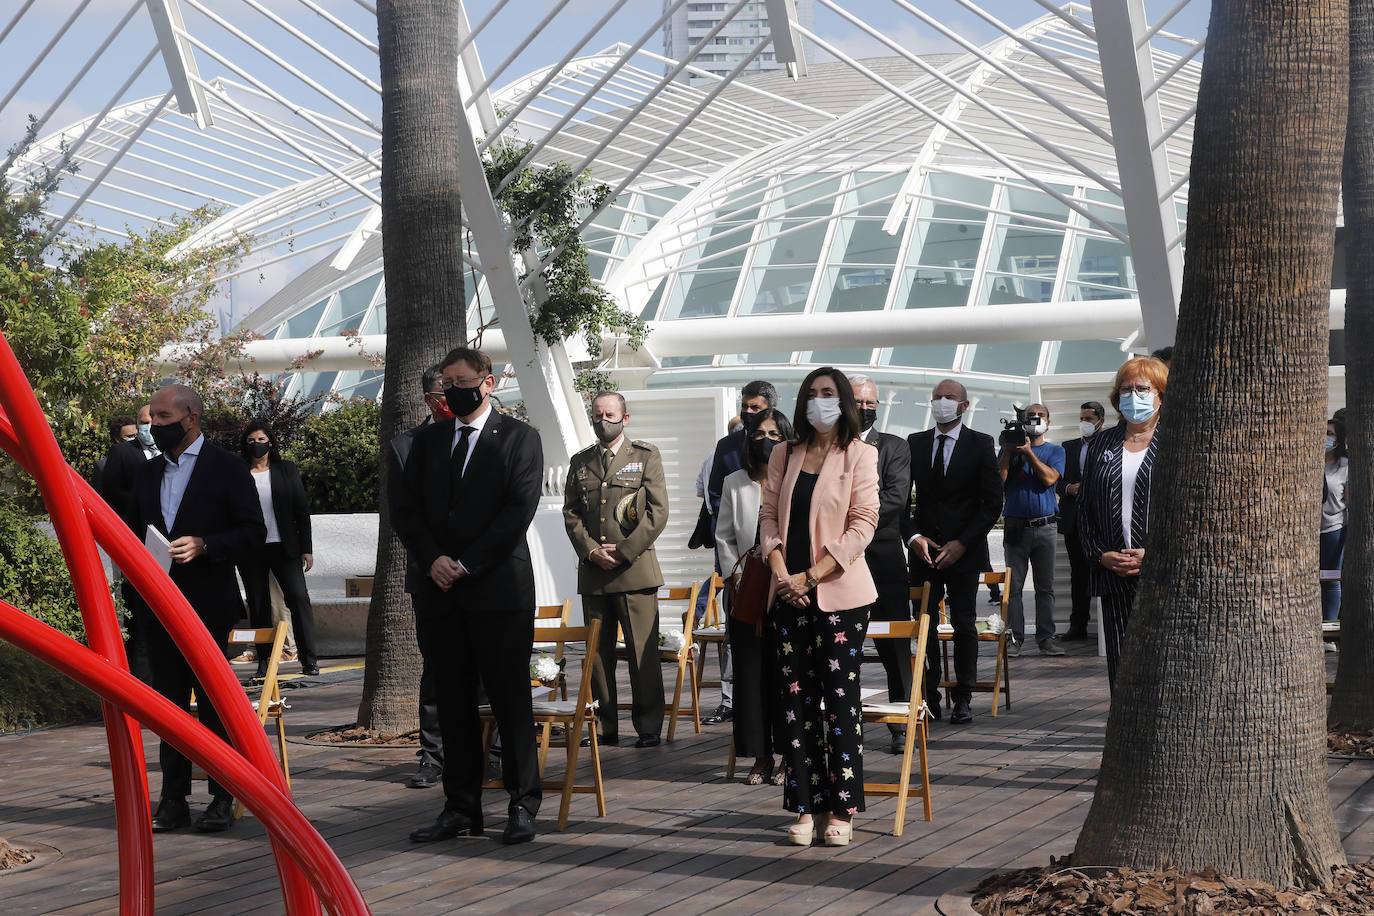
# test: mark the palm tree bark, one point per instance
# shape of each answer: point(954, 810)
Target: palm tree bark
point(422, 257)
point(1352, 702)
point(1215, 745)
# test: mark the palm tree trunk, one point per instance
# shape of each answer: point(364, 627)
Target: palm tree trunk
point(1215, 746)
point(422, 255)
point(1352, 703)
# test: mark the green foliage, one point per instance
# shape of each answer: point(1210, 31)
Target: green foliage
point(544, 207)
point(336, 453)
point(33, 578)
point(590, 380)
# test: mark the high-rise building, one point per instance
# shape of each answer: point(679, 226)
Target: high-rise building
point(732, 43)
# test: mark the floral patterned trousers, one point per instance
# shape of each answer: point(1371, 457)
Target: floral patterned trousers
point(820, 729)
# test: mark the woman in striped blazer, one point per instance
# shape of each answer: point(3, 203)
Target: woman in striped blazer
point(1114, 499)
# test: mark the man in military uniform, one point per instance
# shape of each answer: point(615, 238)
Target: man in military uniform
point(615, 506)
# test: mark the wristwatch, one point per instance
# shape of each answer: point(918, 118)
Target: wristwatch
point(810, 582)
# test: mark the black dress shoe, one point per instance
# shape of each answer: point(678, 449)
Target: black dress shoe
point(723, 713)
point(219, 816)
point(898, 745)
point(427, 776)
point(520, 827)
point(171, 814)
point(933, 704)
point(449, 824)
point(601, 740)
point(647, 741)
point(310, 670)
point(1075, 636)
point(961, 714)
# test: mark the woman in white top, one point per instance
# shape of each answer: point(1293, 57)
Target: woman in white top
point(287, 554)
point(751, 645)
point(1332, 546)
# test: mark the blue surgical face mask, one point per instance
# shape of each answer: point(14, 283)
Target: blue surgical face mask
point(145, 434)
point(1330, 443)
point(1137, 407)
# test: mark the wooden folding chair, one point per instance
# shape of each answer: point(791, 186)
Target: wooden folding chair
point(711, 632)
point(1000, 685)
point(269, 703)
point(542, 615)
point(913, 714)
point(685, 659)
point(573, 715)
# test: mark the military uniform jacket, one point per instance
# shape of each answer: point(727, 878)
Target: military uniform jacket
point(590, 500)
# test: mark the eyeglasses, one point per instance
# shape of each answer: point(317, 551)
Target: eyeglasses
point(473, 382)
point(1137, 389)
point(768, 434)
point(869, 405)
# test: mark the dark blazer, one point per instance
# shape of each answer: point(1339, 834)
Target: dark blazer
point(724, 462)
point(1099, 508)
point(886, 553)
point(479, 519)
point(1073, 473)
point(117, 477)
point(291, 508)
point(220, 505)
point(396, 457)
point(966, 505)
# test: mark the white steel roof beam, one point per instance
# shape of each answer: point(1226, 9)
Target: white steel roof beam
point(251, 158)
point(343, 26)
point(1148, 35)
point(173, 155)
point(268, 94)
point(1030, 45)
point(605, 167)
point(114, 160)
point(14, 20)
point(773, 96)
point(1064, 16)
point(180, 60)
point(530, 35)
point(1127, 69)
point(724, 115)
point(43, 54)
point(123, 211)
point(318, 48)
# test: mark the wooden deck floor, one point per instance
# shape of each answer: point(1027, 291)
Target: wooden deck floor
point(678, 838)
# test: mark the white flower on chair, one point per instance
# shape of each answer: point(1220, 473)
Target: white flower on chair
point(545, 670)
point(996, 624)
point(672, 642)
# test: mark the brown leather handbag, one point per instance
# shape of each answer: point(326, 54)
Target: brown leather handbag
point(749, 600)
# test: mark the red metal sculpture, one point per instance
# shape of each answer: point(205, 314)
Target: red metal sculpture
point(306, 865)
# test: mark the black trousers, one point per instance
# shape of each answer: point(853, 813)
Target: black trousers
point(1116, 611)
point(895, 654)
point(959, 589)
point(254, 568)
point(1080, 593)
point(756, 691)
point(136, 646)
point(173, 678)
point(470, 649)
point(431, 736)
point(819, 655)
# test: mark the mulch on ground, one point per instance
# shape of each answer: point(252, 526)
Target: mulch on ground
point(353, 735)
point(1063, 889)
point(12, 856)
point(1344, 743)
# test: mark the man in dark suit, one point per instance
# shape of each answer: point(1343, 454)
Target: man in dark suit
point(202, 499)
point(886, 554)
point(958, 500)
point(431, 752)
point(472, 486)
point(123, 459)
point(1090, 417)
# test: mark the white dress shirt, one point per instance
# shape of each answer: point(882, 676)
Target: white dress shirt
point(263, 480)
point(953, 434)
point(175, 475)
point(477, 423)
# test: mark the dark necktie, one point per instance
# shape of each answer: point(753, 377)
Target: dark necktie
point(460, 451)
point(607, 456)
point(938, 465)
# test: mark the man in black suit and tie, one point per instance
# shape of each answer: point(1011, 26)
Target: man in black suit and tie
point(886, 554)
point(958, 500)
point(202, 499)
point(1090, 417)
point(431, 750)
point(471, 488)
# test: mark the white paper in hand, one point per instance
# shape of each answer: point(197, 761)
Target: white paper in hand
point(159, 547)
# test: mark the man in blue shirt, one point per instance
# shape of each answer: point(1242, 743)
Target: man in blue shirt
point(1029, 473)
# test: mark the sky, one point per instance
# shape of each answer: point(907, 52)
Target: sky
point(513, 31)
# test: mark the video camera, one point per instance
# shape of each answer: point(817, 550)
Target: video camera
point(1014, 433)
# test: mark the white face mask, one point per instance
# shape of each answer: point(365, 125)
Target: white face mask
point(1086, 429)
point(1037, 427)
point(823, 413)
point(944, 410)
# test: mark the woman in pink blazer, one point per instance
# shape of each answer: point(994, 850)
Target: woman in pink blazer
point(819, 510)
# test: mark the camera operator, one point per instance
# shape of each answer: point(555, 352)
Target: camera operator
point(1030, 469)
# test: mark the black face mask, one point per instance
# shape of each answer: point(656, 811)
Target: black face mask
point(257, 449)
point(607, 431)
point(867, 417)
point(463, 401)
point(167, 436)
point(760, 450)
point(751, 421)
